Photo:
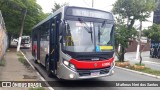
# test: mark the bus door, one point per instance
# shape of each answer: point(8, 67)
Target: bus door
point(54, 48)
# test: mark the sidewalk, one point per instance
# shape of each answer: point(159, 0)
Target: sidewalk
point(152, 63)
point(14, 70)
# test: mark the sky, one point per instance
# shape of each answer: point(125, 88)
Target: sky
point(98, 4)
point(105, 5)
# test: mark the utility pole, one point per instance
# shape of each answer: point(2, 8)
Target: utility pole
point(21, 32)
point(92, 3)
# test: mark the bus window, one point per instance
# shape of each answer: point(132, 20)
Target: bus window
point(35, 36)
point(45, 33)
point(68, 37)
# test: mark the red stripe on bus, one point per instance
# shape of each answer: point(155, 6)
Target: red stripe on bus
point(91, 64)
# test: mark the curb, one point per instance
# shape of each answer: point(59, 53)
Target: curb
point(49, 87)
point(141, 73)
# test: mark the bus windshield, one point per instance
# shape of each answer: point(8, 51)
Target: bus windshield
point(87, 36)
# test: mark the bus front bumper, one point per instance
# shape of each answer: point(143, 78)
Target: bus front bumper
point(66, 73)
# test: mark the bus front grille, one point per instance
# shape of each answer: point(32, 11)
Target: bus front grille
point(88, 72)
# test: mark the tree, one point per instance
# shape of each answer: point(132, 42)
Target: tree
point(122, 34)
point(132, 10)
point(57, 6)
point(153, 32)
point(13, 12)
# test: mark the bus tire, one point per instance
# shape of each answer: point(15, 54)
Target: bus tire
point(49, 73)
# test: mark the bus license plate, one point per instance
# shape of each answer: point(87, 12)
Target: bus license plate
point(95, 73)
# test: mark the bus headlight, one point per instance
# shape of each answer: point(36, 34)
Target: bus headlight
point(68, 64)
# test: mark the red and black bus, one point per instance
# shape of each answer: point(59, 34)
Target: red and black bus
point(75, 43)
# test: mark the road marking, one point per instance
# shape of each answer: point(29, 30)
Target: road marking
point(142, 73)
point(49, 87)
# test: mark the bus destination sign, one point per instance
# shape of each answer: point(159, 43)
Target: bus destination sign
point(90, 13)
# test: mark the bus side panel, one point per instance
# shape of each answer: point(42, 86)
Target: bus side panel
point(43, 51)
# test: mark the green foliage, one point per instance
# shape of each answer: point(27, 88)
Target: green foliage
point(13, 11)
point(138, 64)
point(153, 32)
point(122, 35)
point(22, 60)
point(57, 6)
point(147, 70)
point(130, 10)
point(137, 9)
point(134, 10)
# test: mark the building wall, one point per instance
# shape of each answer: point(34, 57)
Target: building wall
point(3, 37)
point(133, 46)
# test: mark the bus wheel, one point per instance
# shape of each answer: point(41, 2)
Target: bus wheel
point(49, 73)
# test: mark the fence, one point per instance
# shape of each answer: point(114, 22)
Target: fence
point(3, 37)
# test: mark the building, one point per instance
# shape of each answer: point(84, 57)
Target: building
point(156, 17)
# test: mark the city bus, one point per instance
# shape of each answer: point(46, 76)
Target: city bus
point(75, 43)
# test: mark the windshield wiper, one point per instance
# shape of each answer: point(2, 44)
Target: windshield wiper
point(88, 29)
point(104, 22)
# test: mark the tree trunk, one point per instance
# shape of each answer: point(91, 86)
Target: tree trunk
point(140, 57)
point(21, 32)
point(122, 54)
point(131, 24)
point(140, 43)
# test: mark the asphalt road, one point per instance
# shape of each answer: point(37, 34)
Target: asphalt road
point(119, 75)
